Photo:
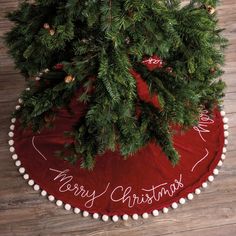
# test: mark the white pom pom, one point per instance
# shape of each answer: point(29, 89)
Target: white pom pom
point(165, 210)
point(46, 70)
point(215, 171)
point(224, 150)
point(211, 178)
point(155, 212)
point(37, 78)
point(12, 149)
point(226, 134)
point(125, 217)
point(135, 216)
point(20, 100)
point(174, 205)
point(14, 157)
point(44, 193)
point(27, 89)
point(85, 214)
point(190, 196)
point(36, 187)
point(95, 215)
point(18, 163)
point(59, 203)
point(11, 134)
point(67, 207)
point(30, 182)
point(226, 127)
point(105, 218)
point(22, 170)
point(225, 120)
point(40, 73)
point(13, 120)
point(51, 198)
point(76, 210)
point(204, 185)
point(197, 191)
point(18, 107)
point(12, 127)
point(145, 215)
point(226, 142)
point(223, 156)
point(222, 113)
point(182, 201)
point(11, 142)
point(220, 163)
point(115, 218)
point(26, 176)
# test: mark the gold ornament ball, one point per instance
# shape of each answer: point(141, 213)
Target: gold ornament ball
point(51, 32)
point(46, 26)
point(69, 79)
point(211, 10)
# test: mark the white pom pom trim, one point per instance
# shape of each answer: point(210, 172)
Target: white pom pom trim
point(197, 191)
point(26, 176)
point(11, 134)
point(165, 210)
point(95, 215)
point(30, 182)
point(145, 215)
point(222, 113)
point(215, 171)
point(225, 120)
point(13, 120)
point(18, 107)
point(44, 193)
point(105, 218)
point(155, 213)
point(18, 163)
point(11, 142)
point(114, 218)
point(135, 216)
point(59, 203)
point(190, 196)
point(85, 214)
point(174, 205)
point(226, 134)
point(211, 178)
point(12, 127)
point(182, 201)
point(76, 210)
point(67, 206)
point(22, 170)
point(51, 198)
point(14, 157)
point(36, 187)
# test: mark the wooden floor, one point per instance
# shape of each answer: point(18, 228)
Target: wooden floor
point(24, 212)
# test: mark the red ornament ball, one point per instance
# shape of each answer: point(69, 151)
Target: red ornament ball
point(59, 66)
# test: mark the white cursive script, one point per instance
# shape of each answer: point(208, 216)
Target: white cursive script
point(78, 190)
point(155, 193)
point(204, 121)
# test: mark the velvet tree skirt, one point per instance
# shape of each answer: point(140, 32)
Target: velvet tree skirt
point(146, 183)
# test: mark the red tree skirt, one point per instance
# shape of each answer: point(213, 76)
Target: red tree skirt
point(144, 183)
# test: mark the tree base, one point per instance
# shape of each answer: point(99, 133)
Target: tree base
point(146, 183)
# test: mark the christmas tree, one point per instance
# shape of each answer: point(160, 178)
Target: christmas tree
point(140, 68)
